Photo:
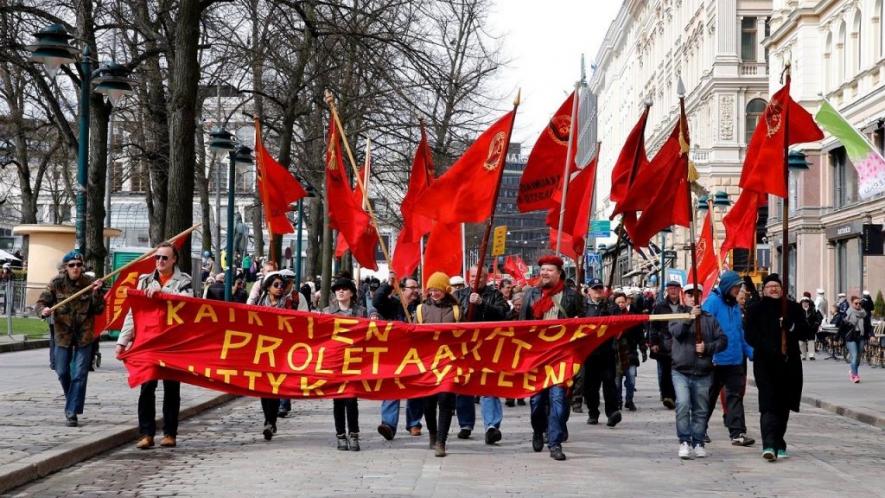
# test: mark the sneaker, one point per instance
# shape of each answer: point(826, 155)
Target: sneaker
point(71, 420)
point(464, 434)
point(493, 435)
point(782, 454)
point(669, 403)
point(415, 431)
point(386, 431)
point(593, 420)
point(510, 403)
point(699, 451)
point(707, 439)
point(145, 442)
point(557, 454)
point(283, 413)
point(439, 449)
point(614, 419)
point(811, 358)
point(520, 402)
point(578, 407)
point(432, 439)
point(343, 444)
point(354, 441)
point(168, 441)
point(855, 379)
point(630, 406)
point(742, 440)
point(268, 432)
point(769, 454)
point(537, 441)
point(685, 451)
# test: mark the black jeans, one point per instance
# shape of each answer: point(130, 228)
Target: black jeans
point(147, 409)
point(734, 379)
point(774, 426)
point(351, 408)
point(665, 378)
point(600, 370)
point(446, 402)
point(270, 407)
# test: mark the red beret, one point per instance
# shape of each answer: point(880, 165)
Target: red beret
point(550, 259)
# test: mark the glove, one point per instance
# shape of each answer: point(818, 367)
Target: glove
point(644, 357)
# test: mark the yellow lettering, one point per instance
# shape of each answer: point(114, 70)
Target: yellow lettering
point(275, 382)
point(252, 376)
point(342, 387)
point(398, 383)
point(579, 332)
point(528, 381)
point(369, 388)
point(261, 349)
point(443, 352)
point(544, 335)
point(601, 331)
point(231, 315)
point(254, 318)
point(338, 328)
point(551, 378)
point(376, 362)
point(484, 375)
point(206, 310)
point(440, 375)
point(520, 345)
point(348, 359)
point(413, 358)
point(498, 348)
point(310, 327)
point(373, 331)
point(226, 373)
point(228, 344)
point(502, 380)
point(501, 331)
point(283, 323)
point(307, 388)
point(320, 368)
point(172, 312)
point(291, 354)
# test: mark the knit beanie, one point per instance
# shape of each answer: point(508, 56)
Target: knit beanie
point(438, 280)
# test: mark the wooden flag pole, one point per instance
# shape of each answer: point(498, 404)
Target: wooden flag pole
point(330, 101)
point(116, 272)
point(484, 245)
point(565, 168)
point(713, 233)
point(785, 227)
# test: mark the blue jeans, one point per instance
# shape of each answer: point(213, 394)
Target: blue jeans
point(285, 405)
point(72, 367)
point(390, 413)
point(692, 406)
point(492, 411)
point(553, 400)
point(627, 380)
point(855, 349)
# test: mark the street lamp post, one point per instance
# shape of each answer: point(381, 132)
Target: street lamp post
point(241, 155)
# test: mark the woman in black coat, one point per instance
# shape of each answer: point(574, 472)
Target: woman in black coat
point(778, 375)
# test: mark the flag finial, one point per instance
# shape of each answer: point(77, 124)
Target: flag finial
point(518, 99)
point(680, 87)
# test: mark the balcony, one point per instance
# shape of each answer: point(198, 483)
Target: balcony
point(753, 69)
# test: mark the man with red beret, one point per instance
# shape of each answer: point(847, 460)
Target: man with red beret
point(550, 300)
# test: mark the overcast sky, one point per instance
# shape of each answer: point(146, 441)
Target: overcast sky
point(544, 40)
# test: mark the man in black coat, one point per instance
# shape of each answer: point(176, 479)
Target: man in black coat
point(777, 363)
point(659, 342)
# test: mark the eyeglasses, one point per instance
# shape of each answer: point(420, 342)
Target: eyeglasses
point(411, 287)
point(161, 257)
point(773, 286)
point(74, 265)
point(278, 285)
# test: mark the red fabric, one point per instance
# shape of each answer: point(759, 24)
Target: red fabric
point(443, 252)
point(542, 175)
point(346, 213)
point(763, 166)
point(407, 253)
point(634, 149)
point(665, 188)
point(268, 352)
point(568, 244)
point(516, 268)
point(279, 190)
point(706, 256)
point(577, 212)
point(465, 193)
point(341, 246)
point(544, 304)
point(740, 221)
point(116, 305)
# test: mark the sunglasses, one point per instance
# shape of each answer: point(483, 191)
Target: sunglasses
point(160, 257)
point(278, 285)
point(74, 265)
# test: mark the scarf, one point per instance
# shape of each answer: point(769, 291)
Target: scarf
point(544, 304)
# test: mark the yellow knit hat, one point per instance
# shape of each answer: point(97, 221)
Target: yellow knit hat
point(438, 280)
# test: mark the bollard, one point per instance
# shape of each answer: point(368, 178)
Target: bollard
point(8, 300)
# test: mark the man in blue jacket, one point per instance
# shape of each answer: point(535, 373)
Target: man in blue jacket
point(730, 365)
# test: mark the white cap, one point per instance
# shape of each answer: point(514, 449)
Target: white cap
point(866, 292)
point(456, 280)
point(841, 294)
point(691, 287)
point(820, 291)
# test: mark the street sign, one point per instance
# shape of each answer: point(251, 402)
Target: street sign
point(669, 254)
point(872, 240)
point(677, 275)
point(600, 228)
point(499, 240)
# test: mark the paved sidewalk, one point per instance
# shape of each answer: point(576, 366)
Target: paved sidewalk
point(33, 438)
point(20, 342)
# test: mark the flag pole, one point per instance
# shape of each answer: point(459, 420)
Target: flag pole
point(713, 232)
point(566, 167)
point(116, 272)
point(684, 148)
point(330, 101)
point(484, 245)
point(785, 224)
point(463, 250)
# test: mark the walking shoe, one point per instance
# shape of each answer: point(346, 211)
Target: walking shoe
point(283, 413)
point(707, 439)
point(342, 441)
point(268, 432)
point(557, 454)
point(168, 441)
point(669, 403)
point(520, 402)
point(782, 454)
point(699, 451)
point(578, 408)
point(415, 431)
point(630, 406)
point(537, 441)
point(510, 402)
point(432, 436)
point(464, 434)
point(742, 440)
point(685, 451)
point(354, 441)
point(593, 419)
point(614, 419)
point(493, 435)
point(145, 442)
point(855, 378)
point(386, 431)
point(769, 454)
point(812, 358)
point(71, 419)
point(439, 449)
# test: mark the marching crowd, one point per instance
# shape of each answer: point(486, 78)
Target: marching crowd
point(699, 360)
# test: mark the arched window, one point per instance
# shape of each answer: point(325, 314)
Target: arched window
point(856, 52)
point(840, 55)
point(755, 109)
point(877, 29)
point(828, 62)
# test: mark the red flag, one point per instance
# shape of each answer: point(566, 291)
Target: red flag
point(277, 188)
point(340, 243)
point(740, 222)
point(764, 163)
point(577, 211)
point(665, 188)
point(516, 268)
point(443, 252)
point(623, 174)
point(407, 253)
point(345, 210)
point(706, 256)
point(542, 175)
point(465, 193)
point(115, 304)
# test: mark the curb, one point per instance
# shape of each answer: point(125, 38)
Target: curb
point(860, 416)
point(42, 464)
point(24, 345)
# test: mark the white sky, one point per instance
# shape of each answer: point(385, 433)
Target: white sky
point(544, 40)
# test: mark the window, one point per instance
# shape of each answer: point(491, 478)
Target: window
point(848, 266)
point(138, 180)
point(755, 109)
point(856, 44)
point(840, 55)
point(844, 179)
point(877, 29)
point(828, 62)
point(748, 39)
point(117, 179)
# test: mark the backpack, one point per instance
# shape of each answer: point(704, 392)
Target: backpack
point(419, 313)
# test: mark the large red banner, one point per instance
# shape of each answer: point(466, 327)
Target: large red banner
point(259, 351)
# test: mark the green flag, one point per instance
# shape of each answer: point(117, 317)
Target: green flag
point(866, 159)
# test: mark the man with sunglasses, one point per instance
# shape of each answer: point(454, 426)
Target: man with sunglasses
point(168, 279)
point(72, 329)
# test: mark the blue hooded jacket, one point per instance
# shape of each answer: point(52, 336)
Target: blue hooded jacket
point(730, 321)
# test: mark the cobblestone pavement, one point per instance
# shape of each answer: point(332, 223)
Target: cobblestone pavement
point(222, 453)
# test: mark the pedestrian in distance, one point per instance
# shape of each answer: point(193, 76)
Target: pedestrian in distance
point(72, 330)
point(346, 410)
point(814, 319)
point(600, 366)
point(168, 279)
point(856, 333)
point(629, 347)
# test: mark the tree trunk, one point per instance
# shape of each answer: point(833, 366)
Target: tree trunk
point(326, 257)
point(96, 184)
point(314, 224)
point(258, 86)
point(202, 181)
